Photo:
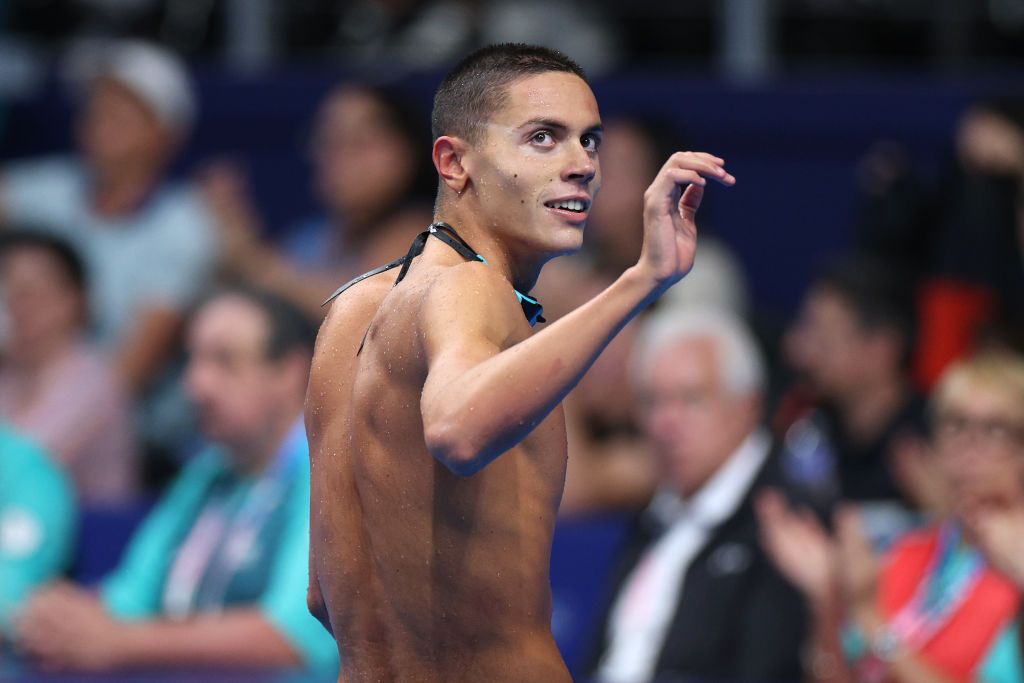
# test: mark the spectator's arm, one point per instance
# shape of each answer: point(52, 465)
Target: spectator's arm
point(187, 248)
point(244, 254)
point(905, 665)
point(146, 345)
point(824, 656)
point(65, 627)
point(238, 638)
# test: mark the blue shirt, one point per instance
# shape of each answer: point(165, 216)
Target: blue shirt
point(37, 521)
point(220, 539)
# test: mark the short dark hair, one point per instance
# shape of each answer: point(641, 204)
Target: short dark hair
point(289, 329)
point(67, 256)
point(477, 86)
point(879, 297)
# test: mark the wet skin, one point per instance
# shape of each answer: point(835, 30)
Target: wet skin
point(423, 575)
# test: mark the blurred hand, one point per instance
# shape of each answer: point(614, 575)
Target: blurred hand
point(859, 567)
point(991, 143)
point(918, 477)
point(1000, 532)
point(225, 188)
point(799, 546)
point(65, 627)
point(670, 211)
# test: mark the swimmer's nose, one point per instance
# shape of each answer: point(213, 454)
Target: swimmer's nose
point(582, 168)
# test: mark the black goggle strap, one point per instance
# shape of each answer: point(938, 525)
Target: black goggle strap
point(356, 280)
point(446, 233)
point(405, 261)
point(415, 250)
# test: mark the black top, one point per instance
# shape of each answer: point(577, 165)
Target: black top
point(737, 618)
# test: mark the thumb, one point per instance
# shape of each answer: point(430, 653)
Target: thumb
point(690, 201)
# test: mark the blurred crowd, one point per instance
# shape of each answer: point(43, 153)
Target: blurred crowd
point(843, 500)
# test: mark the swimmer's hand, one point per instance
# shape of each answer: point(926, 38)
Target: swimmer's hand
point(670, 210)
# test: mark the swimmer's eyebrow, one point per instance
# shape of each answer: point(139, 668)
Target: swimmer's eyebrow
point(559, 126)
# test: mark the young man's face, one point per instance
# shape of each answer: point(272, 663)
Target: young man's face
point(535, 170)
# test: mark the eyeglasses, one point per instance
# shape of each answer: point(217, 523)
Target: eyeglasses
point(995, 431)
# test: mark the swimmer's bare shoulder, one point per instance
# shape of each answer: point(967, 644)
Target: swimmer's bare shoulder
point(469, 315)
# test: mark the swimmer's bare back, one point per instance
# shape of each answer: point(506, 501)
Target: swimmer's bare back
point(426, 575)
point(439, 454)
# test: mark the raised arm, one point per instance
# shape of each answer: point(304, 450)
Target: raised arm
point(480, 400)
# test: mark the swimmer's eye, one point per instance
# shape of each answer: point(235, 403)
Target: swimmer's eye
point(543, 138)
point(591, 142)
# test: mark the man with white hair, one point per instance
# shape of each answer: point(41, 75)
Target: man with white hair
point(694, 596)
point(148, 242)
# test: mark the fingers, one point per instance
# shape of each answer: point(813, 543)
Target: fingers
point(688, 168)
point(851, 534)
point(705, 164)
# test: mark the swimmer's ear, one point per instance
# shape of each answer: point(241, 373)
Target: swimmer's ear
point(448, 157)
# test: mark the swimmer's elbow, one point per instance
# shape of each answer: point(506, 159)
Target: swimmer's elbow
point(451, 447)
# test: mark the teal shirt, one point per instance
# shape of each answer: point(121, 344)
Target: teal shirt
point(37, 521)
point(271, 571)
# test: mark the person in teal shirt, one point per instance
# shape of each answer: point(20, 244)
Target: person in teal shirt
point(37, 522)
point(216, 574)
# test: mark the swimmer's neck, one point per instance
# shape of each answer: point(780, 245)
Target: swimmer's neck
point(515, 261)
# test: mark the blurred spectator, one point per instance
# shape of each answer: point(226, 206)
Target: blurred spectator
point(373, 175)
point(148, 243)
point(933, 609)
point(609, 465)
point(54, 385)
point(964, 239)
point(853, 342)
point(37, 523)
point(217, 573)
point(695, 598)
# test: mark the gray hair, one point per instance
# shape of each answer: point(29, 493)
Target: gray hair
point(741, 364)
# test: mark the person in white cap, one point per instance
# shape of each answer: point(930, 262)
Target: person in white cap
point(149, 241)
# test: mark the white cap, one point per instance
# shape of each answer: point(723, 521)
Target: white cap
point(156, 76)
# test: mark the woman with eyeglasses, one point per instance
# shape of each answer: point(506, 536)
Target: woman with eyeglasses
point(943, 604)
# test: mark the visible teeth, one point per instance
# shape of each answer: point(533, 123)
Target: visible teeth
point(570, 204)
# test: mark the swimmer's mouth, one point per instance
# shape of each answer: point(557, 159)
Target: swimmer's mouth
point(574, 205)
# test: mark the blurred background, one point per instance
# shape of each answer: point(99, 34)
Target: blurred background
point(163, 160)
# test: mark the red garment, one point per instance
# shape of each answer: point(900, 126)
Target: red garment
point(962, 643)
point(951, 312)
